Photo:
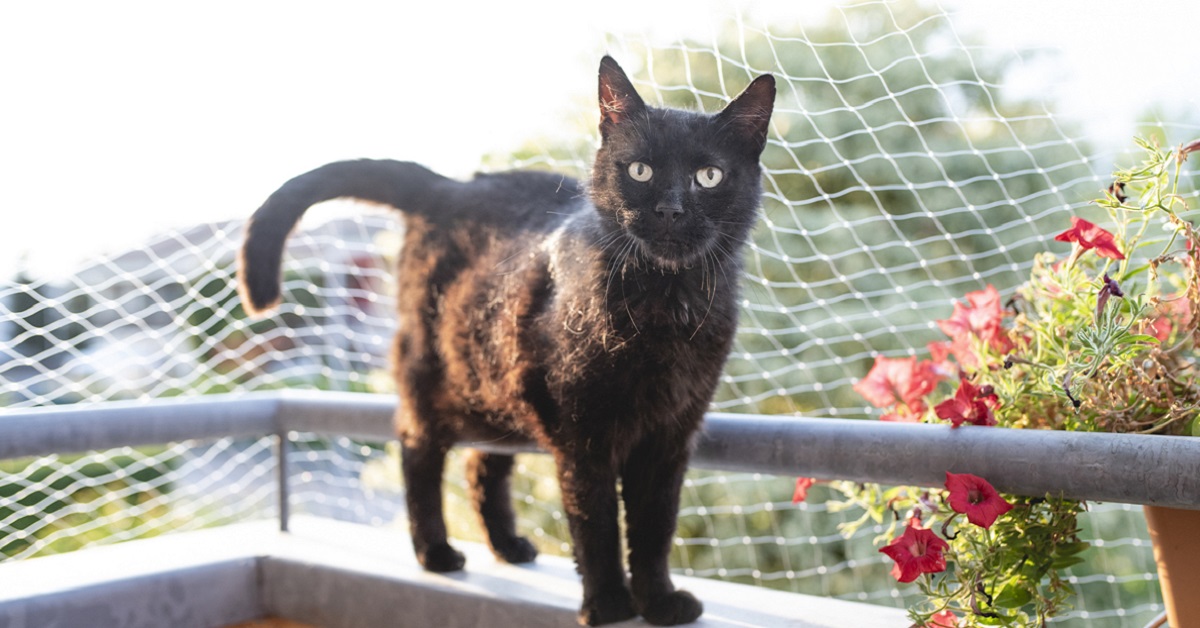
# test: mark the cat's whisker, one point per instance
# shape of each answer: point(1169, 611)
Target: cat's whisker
point(613, 269)
point(712, 295)
point(613, 239)
point(498, 268)
point(712, 276)
point(633, 243)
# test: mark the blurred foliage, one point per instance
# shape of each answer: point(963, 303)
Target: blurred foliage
point(48, 319)
point(899, 176)
point(46, 328)
point(40, 504)
point(233, 349)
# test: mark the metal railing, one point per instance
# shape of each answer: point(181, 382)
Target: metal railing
point(1125, 468)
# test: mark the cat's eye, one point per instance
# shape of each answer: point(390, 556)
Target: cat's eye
point(639, 171)
point(709, 176)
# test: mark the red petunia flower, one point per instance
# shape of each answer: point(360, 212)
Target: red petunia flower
point(976, 498)
point(980, 317)
point(903, 380)
point(917, 551)
point(943, 619)
point(1091, 237)
point(970, 404)
point(802, 486)
point(1160, 328)
point(1170, 312)
point(939, 354)
point(981, 312)
point(901, 416)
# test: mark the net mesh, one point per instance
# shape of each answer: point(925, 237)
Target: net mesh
point(901, 173)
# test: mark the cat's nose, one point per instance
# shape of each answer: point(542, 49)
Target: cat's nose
point(668, 213)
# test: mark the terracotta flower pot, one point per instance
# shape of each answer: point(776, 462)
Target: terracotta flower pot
point(1176, 537)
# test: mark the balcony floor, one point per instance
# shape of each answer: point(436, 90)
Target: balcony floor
point(331, 574)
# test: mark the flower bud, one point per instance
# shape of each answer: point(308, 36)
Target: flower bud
point(1109, 289)
point(1117, 191)
point(1188, 149)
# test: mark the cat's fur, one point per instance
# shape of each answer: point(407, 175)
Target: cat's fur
point(594, 321)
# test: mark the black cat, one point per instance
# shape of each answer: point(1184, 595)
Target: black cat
point(593, 321)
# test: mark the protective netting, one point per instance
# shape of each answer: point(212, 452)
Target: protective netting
point(901, 174)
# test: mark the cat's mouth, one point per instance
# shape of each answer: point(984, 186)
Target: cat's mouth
point(672, 253)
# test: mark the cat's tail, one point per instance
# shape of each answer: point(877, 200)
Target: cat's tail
point(400, 184)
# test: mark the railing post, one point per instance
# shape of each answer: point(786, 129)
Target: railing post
point(282, 489)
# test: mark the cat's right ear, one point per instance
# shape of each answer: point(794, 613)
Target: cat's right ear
point(749, 115)
point(619, 101)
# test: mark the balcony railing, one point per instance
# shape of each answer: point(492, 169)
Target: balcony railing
point(1124, 468)
point(1132, 469)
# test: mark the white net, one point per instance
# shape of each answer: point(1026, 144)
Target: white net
point(902, 172)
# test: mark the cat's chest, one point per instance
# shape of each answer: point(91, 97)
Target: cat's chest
point(634, 388)
point(650, 355)
point(668, 307)
point(594, 340)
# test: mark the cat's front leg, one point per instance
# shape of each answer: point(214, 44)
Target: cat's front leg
point(651, 479)
point(589, 490)
point(422, 461)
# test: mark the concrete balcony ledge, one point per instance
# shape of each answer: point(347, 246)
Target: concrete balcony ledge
point(332, 574)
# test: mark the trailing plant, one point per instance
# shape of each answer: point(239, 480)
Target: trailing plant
point(1103, 339)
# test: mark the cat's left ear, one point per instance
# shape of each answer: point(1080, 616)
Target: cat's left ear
point(618, 100)
point(750, 113)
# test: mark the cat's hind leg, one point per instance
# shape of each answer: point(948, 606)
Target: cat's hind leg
point(488, 481)
point(426, 434)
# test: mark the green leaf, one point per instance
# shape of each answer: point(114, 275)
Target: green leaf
point(1034, 570)
point(1129, 274)
point(1013, 596)
point(1071, 549)
point(1066, 561)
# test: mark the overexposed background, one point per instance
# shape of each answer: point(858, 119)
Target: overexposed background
point(122, 119)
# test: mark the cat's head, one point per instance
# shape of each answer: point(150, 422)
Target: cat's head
point(682, 184)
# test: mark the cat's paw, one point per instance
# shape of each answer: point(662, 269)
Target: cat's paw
point(607, 607)
point(677, 607)
point(516, 550)
point(441, 558)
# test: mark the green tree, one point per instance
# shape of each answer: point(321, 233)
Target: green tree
point(46, 318)
point(46, 325)
point(899, 177)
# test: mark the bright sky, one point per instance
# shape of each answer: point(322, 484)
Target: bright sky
point(120, 119)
